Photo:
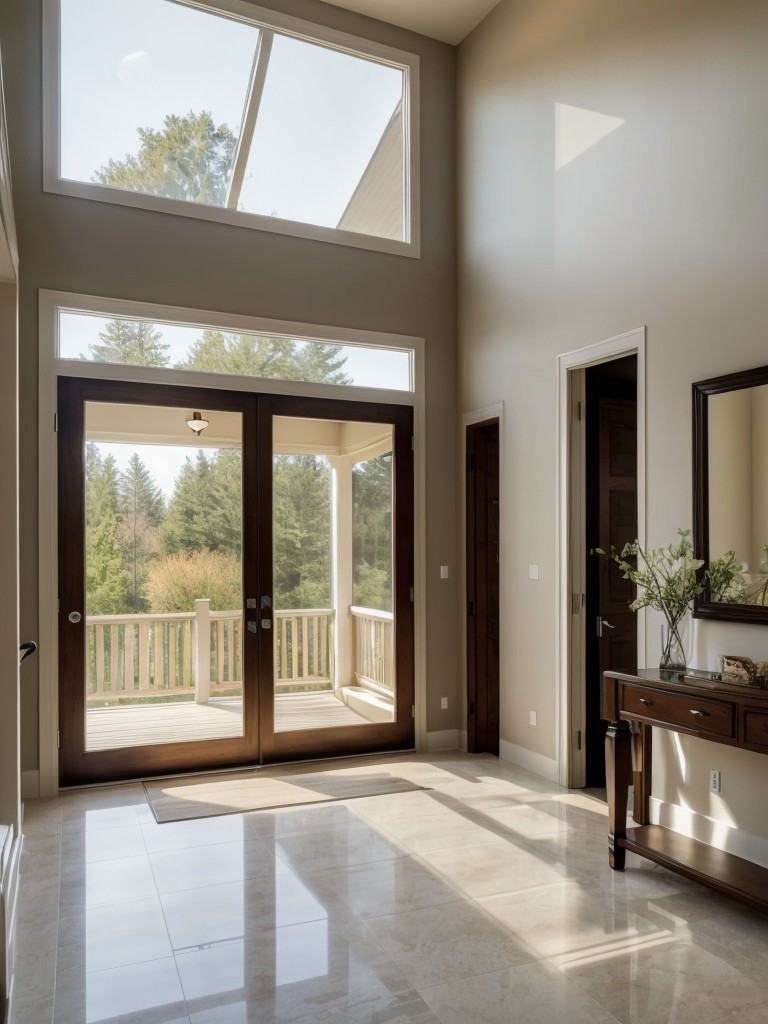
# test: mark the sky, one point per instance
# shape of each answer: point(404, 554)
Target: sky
point(126, 64)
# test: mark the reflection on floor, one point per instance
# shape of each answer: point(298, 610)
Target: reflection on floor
point(132, 724)
point(484, 899)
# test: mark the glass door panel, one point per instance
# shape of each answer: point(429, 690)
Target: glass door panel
point(163, 595)
point(337, 599)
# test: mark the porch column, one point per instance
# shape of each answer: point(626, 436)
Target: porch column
point(202, 650)
point(341, 571)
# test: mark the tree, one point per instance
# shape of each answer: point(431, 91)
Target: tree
point(106, 580)
point(302, 531)
point(205, 510)
point(134, 342)
point(253, 355)
point(176, 582)
point(372, 532)
point(190, 159)
point(141, 509)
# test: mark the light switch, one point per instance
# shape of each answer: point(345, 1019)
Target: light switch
point(533, 572)
point(445, 572)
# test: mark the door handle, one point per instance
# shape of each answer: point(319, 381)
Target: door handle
point(602, 624)
point(74, 616)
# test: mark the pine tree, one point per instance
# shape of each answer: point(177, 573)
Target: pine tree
point(106, 579)
point(134, 342)
point(302, 531)
point(189, 159)
point(141, 508)
point(205, 510)
point(253, 355)
point(372, 532)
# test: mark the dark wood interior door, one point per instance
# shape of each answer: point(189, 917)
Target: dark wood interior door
point(614, 625)
point(482, 505)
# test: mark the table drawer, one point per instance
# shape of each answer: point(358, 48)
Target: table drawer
point(756, 727)
point(680, 709)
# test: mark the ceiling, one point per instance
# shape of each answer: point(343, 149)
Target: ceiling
point(447, 20)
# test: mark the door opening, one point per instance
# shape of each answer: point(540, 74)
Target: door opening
point(232, 594)
point(482, 517)
point(610, 519)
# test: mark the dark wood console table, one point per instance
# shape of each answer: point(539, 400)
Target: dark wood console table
point(698, 704)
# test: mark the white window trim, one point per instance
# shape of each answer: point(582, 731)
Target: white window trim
point(283, 23)
point(52, 367)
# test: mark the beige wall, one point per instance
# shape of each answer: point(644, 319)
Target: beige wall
point(80, 246)
point(662, 222)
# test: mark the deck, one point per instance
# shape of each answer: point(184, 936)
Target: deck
point(139, 724)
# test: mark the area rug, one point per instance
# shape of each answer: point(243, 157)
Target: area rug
point(206, 796)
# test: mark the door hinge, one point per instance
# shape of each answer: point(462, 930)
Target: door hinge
point(411, 594)
point(55, 423)
point(578, 739)
point(413, 710)
point(577, 602)
point(413, 443)
point(58, 738)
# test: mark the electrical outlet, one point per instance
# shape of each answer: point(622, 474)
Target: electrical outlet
point(714, 780)
point(443, 703)
point(532, 718)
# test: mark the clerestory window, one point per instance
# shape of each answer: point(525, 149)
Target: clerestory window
point(231, 112)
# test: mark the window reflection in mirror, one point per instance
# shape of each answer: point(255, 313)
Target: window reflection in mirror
point(730, 432)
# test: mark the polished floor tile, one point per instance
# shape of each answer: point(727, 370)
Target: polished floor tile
point(485, 898)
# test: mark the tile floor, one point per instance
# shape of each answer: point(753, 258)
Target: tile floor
point(485, 898)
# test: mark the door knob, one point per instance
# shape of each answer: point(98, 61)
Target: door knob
point(74, 616)
point(602, 624)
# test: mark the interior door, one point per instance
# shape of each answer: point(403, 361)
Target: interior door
point(194, 632)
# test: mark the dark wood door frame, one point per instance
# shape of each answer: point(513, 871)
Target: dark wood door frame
point(482, 568)
point(259, 741)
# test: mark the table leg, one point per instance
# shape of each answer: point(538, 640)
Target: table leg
point(618, 769)
point(641, 774)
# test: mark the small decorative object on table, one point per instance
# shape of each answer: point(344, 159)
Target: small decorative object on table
point(738, 669)
point(667, 580)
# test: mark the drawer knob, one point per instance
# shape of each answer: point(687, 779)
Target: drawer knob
point(697, 713)
point(645, 700)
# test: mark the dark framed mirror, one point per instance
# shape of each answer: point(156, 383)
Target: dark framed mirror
point(730, 494)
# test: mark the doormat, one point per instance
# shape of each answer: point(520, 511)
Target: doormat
point(209, 795)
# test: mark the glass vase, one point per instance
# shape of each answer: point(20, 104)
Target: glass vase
point(674, 640)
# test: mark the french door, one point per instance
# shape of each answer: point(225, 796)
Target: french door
point(235, 579)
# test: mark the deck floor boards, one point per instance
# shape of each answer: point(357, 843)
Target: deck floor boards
point(139, 724)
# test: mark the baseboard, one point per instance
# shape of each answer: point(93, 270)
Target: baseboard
point(445, 739)
point(30, 784)
point(707, 830)
point(528, 759)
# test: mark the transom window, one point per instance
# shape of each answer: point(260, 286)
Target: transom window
point(164, 344)
point(232, 112)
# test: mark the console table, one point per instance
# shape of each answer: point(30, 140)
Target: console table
point(699, 704)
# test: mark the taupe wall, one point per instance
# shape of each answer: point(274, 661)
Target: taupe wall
point(662, 223)
point(82, 246)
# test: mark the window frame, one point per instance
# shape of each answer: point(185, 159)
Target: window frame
point(284, 24)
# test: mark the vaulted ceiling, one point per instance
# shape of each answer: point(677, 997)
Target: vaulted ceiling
point(447, 20)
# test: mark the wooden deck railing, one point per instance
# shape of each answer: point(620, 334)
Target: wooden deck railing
point(200, 653)
point(374, 649)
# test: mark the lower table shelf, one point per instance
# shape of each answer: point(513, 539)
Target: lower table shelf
point(723, 872)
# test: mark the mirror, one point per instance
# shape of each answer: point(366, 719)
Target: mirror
point(730, 437)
